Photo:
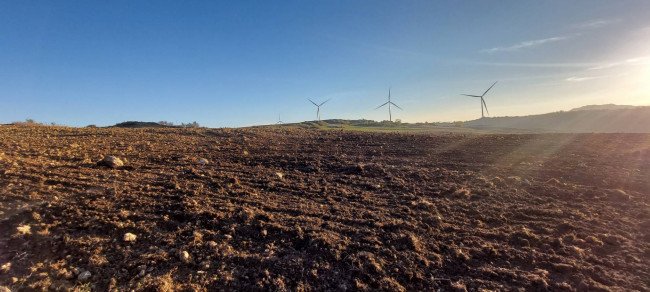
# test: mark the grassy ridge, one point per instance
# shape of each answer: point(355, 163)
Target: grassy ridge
point(385, 126)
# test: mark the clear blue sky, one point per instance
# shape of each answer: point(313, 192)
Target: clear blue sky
point(241, 63)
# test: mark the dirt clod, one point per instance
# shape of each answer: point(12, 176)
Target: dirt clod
point(5, 267)
point(24, 229)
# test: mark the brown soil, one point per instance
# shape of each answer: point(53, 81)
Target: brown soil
point(299, 210)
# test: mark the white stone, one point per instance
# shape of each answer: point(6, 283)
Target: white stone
point(84, 276)
point(129, 237)
point(185, 256)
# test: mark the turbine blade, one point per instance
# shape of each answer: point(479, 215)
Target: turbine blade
point(489, 89)
point(470, 95)
point(396, 106)
point(312, 102)
point(485, 105)
point(324, 102)
point(382, 105)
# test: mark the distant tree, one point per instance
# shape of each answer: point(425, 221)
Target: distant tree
point(166, 123)
point(91, 126)
point(190, 125)
point(459, 124)
point(30, 121)
point(398, 121)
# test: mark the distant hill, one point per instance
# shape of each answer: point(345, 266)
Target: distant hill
point(587, 119)
point(610, 106)
point(135, 124)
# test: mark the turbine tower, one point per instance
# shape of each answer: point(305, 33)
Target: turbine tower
point(483, 105)
point(389, 103)
point(318, 107)
point(279, 120)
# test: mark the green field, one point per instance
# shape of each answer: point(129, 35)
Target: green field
point(385, 126)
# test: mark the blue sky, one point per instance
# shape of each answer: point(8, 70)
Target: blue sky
point(239, 63)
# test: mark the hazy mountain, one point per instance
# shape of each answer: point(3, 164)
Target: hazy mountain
point(610, 106)
point(593, 118)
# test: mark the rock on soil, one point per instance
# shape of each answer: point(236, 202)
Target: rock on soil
point(111, 161)
point(129, 237)
point(83, 276)
point(184, 256)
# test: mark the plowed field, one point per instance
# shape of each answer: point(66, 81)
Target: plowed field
point(304, 210)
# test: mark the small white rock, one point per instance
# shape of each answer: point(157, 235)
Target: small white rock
point(129, 237)
point(185, 256)
point(203, 161)
point(279, 175)
point(84, 276)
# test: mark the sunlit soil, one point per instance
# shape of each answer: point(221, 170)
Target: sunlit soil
point(300, 210)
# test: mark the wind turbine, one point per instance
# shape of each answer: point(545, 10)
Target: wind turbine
point(279, 120)
point(318, 107)
point(389, 103)
point(482, 100)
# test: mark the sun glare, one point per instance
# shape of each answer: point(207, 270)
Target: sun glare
point(642, 83)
